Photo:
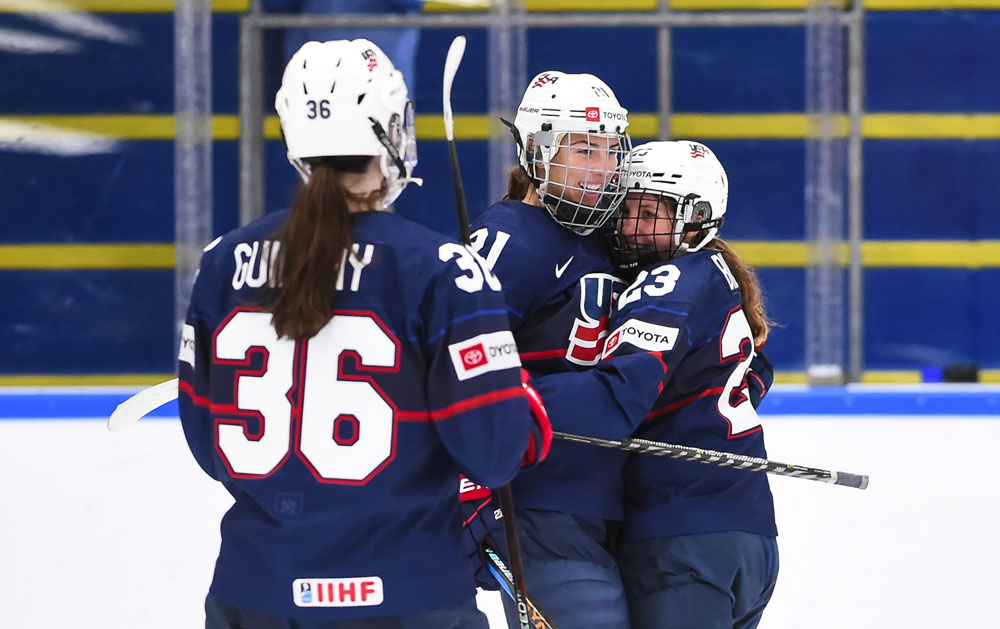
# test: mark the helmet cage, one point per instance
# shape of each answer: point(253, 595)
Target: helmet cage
point(634, 245)
point(568, 191)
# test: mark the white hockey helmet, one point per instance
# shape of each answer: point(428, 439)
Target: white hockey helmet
point(557, 110)
point(345, 97)
point(688, 176)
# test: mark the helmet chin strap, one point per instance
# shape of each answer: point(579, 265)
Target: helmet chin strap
point(300, 167)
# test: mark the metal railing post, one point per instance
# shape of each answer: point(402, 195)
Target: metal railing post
point(855, 207)
point(252, 188)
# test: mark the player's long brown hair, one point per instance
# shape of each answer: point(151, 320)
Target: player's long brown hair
point(313, 241)
point(518, 184)
point(753, 298)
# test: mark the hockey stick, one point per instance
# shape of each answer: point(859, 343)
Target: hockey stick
point(148, 400)
point(142, 403)
point(504, 577)
point(451, 63)
point(722, 459)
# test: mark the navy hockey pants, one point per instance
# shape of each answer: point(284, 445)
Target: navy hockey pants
point(219, 615)
point(707, 581)
point(569, 572)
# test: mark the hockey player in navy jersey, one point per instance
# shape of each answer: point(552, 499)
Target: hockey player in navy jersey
point(544, 242)
point(699, 541)
point(340, 367)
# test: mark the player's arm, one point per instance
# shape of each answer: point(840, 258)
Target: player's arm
point(474, 391)
point(611, 399)
point(193, 362)
point(509, 258)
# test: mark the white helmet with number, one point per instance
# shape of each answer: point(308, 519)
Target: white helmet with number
point(559, 110)
point(345, 97)
point(688, 176)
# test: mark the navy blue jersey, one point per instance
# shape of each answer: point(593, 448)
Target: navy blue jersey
point(559, 288)
point(343, 451)
point(686, 314)
point(693, 305)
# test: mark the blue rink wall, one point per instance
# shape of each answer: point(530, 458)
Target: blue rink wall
point(931, 191)
point(123, 528)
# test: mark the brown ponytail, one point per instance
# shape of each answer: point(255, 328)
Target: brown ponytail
point(313, 241)
point(753, 298)
point(518, 184)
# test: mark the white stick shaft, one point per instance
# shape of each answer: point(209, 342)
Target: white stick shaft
point(451, 63)
point(141, 404)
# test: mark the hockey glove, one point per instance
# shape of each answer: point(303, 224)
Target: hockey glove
point(540, 439)
point(760, 377)
point(480, 522)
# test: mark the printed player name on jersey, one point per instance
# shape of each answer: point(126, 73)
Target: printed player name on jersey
point(494, 351)
point(350, 592)
point(255, 264)
point(647, 336)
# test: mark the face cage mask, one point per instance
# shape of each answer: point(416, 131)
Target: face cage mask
point(584, 192)
point(400, 143)
point(635, 245)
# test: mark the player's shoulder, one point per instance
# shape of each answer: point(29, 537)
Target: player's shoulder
point(702, 271)
point(695, 278)
point(393, 230)
point(525, 237)
point(250, 239)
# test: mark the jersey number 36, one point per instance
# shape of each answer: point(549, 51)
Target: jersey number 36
point(333, 452)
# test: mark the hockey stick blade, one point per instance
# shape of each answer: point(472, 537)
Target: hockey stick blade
point(722, 459)
point(500, 572)
point(141, 404)
point(454, 59)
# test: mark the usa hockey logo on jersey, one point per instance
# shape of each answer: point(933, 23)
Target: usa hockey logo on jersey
point(483, 353)
point(598, 294)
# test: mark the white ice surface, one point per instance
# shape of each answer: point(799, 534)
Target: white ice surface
point(120, 530)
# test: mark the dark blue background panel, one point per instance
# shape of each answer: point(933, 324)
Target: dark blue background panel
point(932, 61)
point(432, 204)
point(927, 189)
point(126, 196)
point(784, 297)
point(624, 58)
point(766, 183)
point(87, 321)
point(135, 77)
point(736, 69)
point(470, 91)
point(930, 317)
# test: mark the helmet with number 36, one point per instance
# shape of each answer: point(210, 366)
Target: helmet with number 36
point(347, 98)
